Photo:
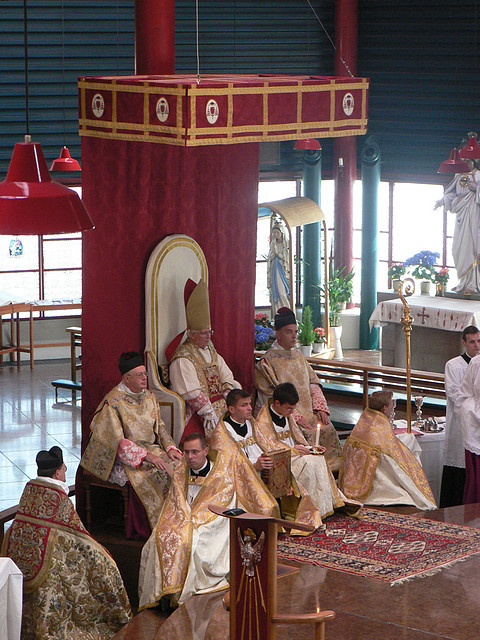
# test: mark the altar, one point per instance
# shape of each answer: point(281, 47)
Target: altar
point(436, 329)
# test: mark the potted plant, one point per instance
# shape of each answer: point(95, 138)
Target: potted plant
point(424, 269)
point(306, 335)
point(340, 289)
point(441, 278)
point(264, 332)
point(320, 340)
point(395, 272)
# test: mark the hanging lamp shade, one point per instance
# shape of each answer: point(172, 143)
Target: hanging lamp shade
point(308, 144)
point(31, 203)
point(454, 164)
point(65, 162)
point(472, 150)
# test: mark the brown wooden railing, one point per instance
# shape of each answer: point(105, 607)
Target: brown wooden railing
point(367, 377)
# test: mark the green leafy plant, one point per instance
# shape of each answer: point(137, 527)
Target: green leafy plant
point(396, 270)
point(306, 335)
point(442, 276)
point(340, 289)
point(425, 272)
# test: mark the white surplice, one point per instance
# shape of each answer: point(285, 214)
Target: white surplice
point(468, 405)
point(454, 451)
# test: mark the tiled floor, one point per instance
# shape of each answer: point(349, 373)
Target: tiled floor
point(30, 421)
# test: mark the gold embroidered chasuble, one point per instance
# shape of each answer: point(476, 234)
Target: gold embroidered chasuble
point(371, 437)
point(72, 587)
point(310, 470)
point(135, 417)
point(297, 506)
point(207, 372)
point(169, 549)
point(279, 365)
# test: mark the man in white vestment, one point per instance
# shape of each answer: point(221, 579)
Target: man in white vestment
point(468, 407)
point(197, 372)
point(377, 468)
point(276, 429)
point(283, 362)
point(453, 477)
point(188, 551)
point(462, 197)
point(237, 435)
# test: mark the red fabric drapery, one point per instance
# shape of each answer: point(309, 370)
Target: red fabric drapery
point(138, 193)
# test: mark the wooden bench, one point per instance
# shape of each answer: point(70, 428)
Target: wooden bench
point(72, 385)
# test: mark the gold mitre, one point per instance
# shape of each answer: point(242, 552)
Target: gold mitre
point(197, 305)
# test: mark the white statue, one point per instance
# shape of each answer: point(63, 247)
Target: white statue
point(278, 267)
point(462, 197)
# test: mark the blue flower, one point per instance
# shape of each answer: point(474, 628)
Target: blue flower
point(423, 257)
point(262, 334)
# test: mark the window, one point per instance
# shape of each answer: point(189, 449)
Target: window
point(407, 224)
point(48, 268)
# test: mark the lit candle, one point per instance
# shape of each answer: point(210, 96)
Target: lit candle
point(317, 434)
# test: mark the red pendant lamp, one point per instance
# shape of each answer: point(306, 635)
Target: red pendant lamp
point(65, 162)
point(308, 144)
point(31, 203)
point(472, 150)
point(454, 164)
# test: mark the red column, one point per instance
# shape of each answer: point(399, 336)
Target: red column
point(344, 149)
point(154, 37)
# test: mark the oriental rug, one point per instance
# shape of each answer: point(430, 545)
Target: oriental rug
point(386, 546)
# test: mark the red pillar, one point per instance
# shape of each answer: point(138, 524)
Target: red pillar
point(154, 37)
point(344, 149)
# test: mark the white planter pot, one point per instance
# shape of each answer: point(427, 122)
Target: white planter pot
point(306, 349)
point(318, 347)
point(337, 334)
point(396, 284)
point(426, 288)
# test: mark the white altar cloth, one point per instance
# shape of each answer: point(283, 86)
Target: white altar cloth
point(11, 583)
point(449, 314)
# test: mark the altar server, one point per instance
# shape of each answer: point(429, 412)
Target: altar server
point(453, 477)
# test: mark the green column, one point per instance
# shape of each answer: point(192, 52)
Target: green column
point(370, 185)
point(311, 238)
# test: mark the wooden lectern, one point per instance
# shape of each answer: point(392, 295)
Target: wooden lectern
point(253, 578)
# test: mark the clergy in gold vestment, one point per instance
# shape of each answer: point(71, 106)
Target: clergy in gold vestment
point(129, 440)
point(377, 468)
point(283, 362)
point(275, 428)
point(72, 589)
point(237, 436)
point(197, 372)
point(188, 551)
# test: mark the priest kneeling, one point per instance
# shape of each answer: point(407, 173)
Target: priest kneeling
point(376, 467)
point(188, 551)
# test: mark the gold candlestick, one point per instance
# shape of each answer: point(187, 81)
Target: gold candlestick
point(407, 321)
